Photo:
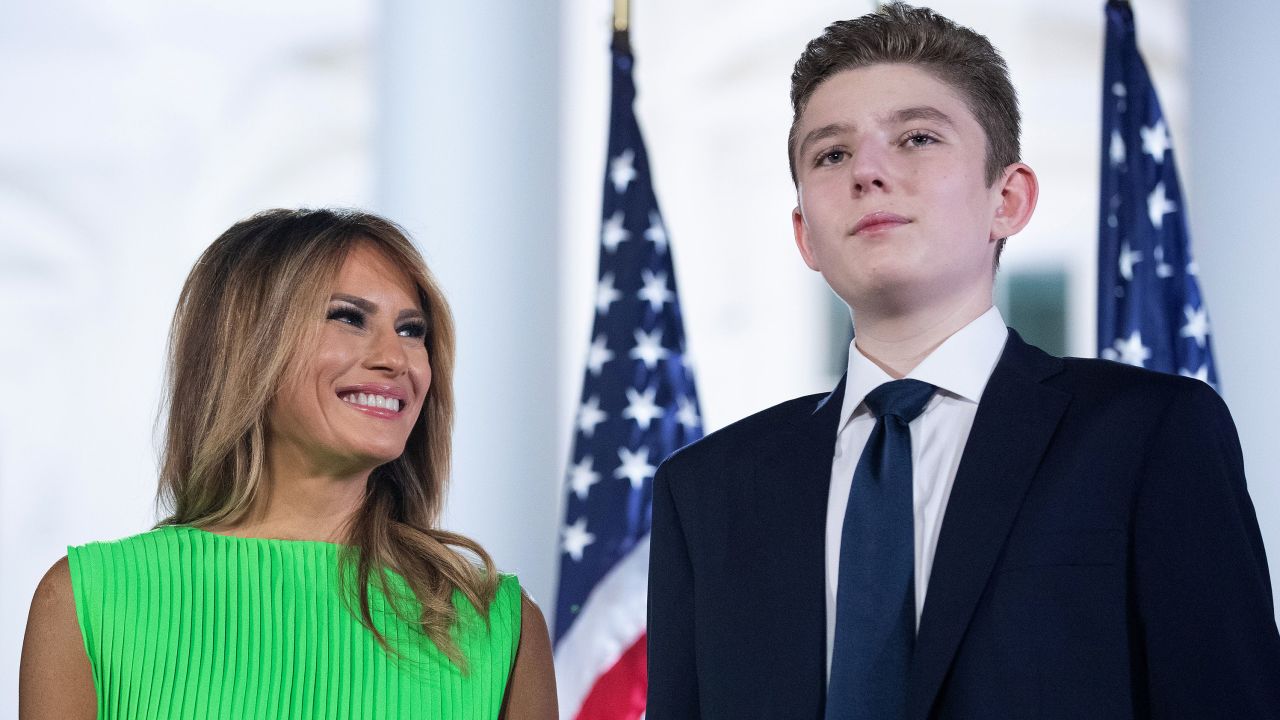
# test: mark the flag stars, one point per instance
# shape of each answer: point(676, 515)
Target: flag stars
point(1197, 325)
point(642, 408)
point(635, 467)
point(622, 170)
point(606, 294)
point(576, 539)
point(590, 415)
point(598, 354)
point(656, 234)
point(1128, 258)
point(655, 290)
point(1202, 374)
point(648, 348)
point(687, 415)
point(613, 233)
point(1117, 148)
point(1155, 141)
point(1158, 205)
point(1163, 269)
point(1131, 351)
point(582, 476)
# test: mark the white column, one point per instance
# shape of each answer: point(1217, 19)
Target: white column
point(467, 162)
point(1235, 221)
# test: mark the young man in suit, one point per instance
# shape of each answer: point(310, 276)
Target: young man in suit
point(966, 527)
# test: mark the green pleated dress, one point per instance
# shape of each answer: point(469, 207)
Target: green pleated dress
point(181, 623)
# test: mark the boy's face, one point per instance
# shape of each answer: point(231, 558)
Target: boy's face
point(894, 209)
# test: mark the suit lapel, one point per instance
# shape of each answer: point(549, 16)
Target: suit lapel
point(786, 523)
point(1016, 419)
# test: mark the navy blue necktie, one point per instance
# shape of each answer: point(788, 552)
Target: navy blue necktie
point(875, 595)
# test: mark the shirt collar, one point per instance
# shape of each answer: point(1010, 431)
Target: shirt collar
point(960, 366)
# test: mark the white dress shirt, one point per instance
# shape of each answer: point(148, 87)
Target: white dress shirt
point(959, 368)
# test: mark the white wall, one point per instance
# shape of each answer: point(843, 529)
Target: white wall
point(134, 134)
point(468, 163)
point(1234, 201)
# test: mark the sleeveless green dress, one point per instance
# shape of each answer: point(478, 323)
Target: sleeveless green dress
point(182, 623)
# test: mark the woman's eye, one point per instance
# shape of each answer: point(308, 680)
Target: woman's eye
point(347, 316)
point(412, 330)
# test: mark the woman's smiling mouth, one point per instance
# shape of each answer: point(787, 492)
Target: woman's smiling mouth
point(375, 399)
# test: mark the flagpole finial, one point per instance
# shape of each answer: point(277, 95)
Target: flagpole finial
point(621, 15)
point(622, 26)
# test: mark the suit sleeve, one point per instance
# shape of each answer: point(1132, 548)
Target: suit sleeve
point(673, 681)
point(1206, 619)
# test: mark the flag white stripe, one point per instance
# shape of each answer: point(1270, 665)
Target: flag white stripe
point(610, 622)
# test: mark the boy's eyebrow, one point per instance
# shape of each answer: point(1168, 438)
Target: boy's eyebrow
point(919, 112)
point(923, 112)
point(822, 133)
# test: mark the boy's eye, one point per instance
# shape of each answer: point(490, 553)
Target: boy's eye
point(412, 330)
point(919, 139)
point(831, 157)
point(347, 316)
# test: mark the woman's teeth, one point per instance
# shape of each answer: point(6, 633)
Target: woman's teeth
point(377, 401)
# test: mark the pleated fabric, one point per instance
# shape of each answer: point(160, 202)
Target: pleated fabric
point(182, 623)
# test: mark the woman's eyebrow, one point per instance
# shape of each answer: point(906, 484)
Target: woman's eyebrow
point(359, 302)
point(371, 308)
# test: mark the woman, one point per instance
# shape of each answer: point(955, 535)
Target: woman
point(302, 572)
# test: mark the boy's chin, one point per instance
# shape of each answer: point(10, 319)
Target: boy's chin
point(885, 293)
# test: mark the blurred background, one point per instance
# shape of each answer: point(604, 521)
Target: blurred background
point(134, 132)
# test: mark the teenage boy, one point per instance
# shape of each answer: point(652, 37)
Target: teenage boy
point(966, 527)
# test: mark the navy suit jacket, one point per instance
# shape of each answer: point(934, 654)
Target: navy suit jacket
point(1099, 558)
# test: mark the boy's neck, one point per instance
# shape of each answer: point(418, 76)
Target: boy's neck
point(898, 342)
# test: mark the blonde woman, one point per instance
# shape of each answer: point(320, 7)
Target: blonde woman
point(302, 572)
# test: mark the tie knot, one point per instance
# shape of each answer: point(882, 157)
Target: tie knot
point(903, 398)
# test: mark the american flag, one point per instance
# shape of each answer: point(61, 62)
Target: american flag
point(1150, 310)
point(638, 406)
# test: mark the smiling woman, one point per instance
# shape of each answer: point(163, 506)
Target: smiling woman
point(309, 414)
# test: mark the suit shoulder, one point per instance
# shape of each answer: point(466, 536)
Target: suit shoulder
point(1111, 377)
point(1115, 394)
point(732, 438)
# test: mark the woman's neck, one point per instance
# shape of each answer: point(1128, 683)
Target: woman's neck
point(299, 501)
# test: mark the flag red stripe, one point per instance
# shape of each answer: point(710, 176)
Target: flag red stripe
point(619, 692)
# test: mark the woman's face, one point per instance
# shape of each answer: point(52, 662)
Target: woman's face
point(350, 405)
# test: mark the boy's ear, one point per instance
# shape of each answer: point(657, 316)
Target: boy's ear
point(802, 238)
point(1017, 191)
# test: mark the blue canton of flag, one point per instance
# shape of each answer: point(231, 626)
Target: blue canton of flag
point(638, 406)
point(1150, 310)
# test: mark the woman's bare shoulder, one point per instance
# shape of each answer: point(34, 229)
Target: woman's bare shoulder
point(531, 691)
point(54, 604)
point(55, 679)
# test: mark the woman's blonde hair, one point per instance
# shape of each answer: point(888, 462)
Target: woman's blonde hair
point(247, 314)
